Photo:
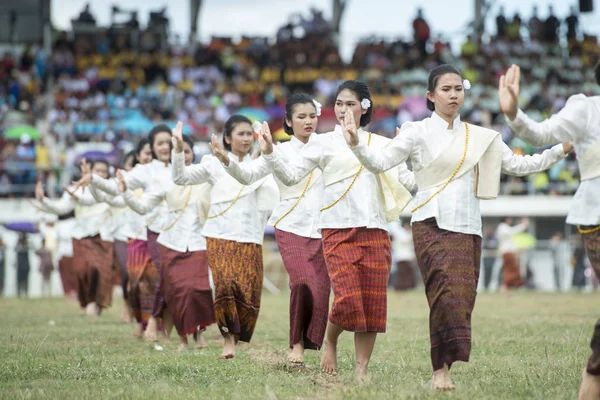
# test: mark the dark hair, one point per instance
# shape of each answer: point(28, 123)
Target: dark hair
point(66, 216)
point(141, 144)
point(230, 125)
point(190, 142)
point(101, 161)
point(131, 154)
point(361, 90)
point(597, 72)
point(299, 98)
point(155, 131)
point(434, 76)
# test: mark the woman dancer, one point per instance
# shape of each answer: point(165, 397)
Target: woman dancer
point(184, 272)
point(234, 231)
point(296, 219)
point(154, 176)
point(455, 165)
point(142, 273)
point(356, 208)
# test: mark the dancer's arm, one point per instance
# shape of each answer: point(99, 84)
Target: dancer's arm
point(406, 177)
point(194, 174)
point(147, 203)
point(103, 197)
point(517, 165)
point(62, 206)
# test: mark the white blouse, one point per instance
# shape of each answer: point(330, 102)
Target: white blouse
point(83, 227)
point(362, 205)
point(578, 122)
point(455, 208)
point(154, 176)
point(182, 230)
point(243, 222)
point(303, 220)
point(127, 225)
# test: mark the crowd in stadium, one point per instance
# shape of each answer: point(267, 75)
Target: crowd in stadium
point(104, 91)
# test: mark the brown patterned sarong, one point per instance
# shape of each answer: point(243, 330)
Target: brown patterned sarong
point(309, 284)
point(358, 261)
point(592, 246)
point(121, 271)
point(404, 278)
point(449, 263)
point(238, 277)
point(68, 276)
point(94, 266)
point(186, 288)
point(511, 271)
point(154, 251)
point(143, 278)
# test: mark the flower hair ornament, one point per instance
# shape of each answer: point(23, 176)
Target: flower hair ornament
point(317, 107)
point(466, 84)
point(365, 104)
point(256, 126)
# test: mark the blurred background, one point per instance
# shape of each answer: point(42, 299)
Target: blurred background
point(81, 79)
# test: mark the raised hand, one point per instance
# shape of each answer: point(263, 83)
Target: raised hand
point(86, 176)
point(508, 91)
point(177, 138)
point(349, 129)
point(567, 147)
point(121, 184)
point(265, 140)
point(72, 194)
point(218, 150)
point(39, 190)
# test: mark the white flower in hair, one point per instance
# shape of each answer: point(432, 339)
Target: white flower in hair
point(256, 126)
point(466, 84)
point(317, 107)
point(365, 104)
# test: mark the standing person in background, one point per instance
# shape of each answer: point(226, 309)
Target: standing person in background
point(403, 255)
point(507, 250)
point(22, 265)
point(46, 267)
point(490, 250)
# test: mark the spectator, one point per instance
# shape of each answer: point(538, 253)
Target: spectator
point(22, 266)
point(535, 26)
point(550, 27)
point(572, 22)
point(421, 33)
point(46, 267)
point(501, 24)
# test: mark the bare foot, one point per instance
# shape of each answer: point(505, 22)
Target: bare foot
point(296, 356)
point(361, 377)
point(228, 349)
point(183, 343)
point(329, 358)
point(127, 314)
point(91, 310)
point(151, 333)
point(504, 290)
point(139, 331)
point(165, 338)
point(441, 380)
point(590, 387)
point(200, 342)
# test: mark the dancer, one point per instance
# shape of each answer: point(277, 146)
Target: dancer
point(296, 220)
point(234, 231)
point(511, 270)
point(455, 165)
point(356, 208)
point(578, 121)
point(154, 176)
point(183, 258)
point(141, 271)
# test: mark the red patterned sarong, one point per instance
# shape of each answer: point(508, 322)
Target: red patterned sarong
point(94, 266)
point(358, 261)
point(309, 284)
point(67, 274)
point(238, 277)
point(592, 246)
point(449, 263)
point(186, 289)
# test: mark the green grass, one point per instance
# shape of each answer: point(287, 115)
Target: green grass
point(527, 346)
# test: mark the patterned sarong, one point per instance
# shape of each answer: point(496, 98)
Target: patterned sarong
point(449, 263)
point(143, 278)
point(359, 262)
point(238, 277)
point(592, 246)
point(154, 250)
point(186, 289)
point(94, 266)
point(68, 276)
point(309, 284)
point(511, 270)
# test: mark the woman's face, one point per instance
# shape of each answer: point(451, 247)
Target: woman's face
point(347, 101)
point(448, 95)
point(188, 154)
point(128, 164)
point(100, 169)
point(162, 146)
point(242, 138)
point(304, 120)
point(145, 155)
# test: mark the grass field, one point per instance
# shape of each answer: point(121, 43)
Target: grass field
point(527, 346)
